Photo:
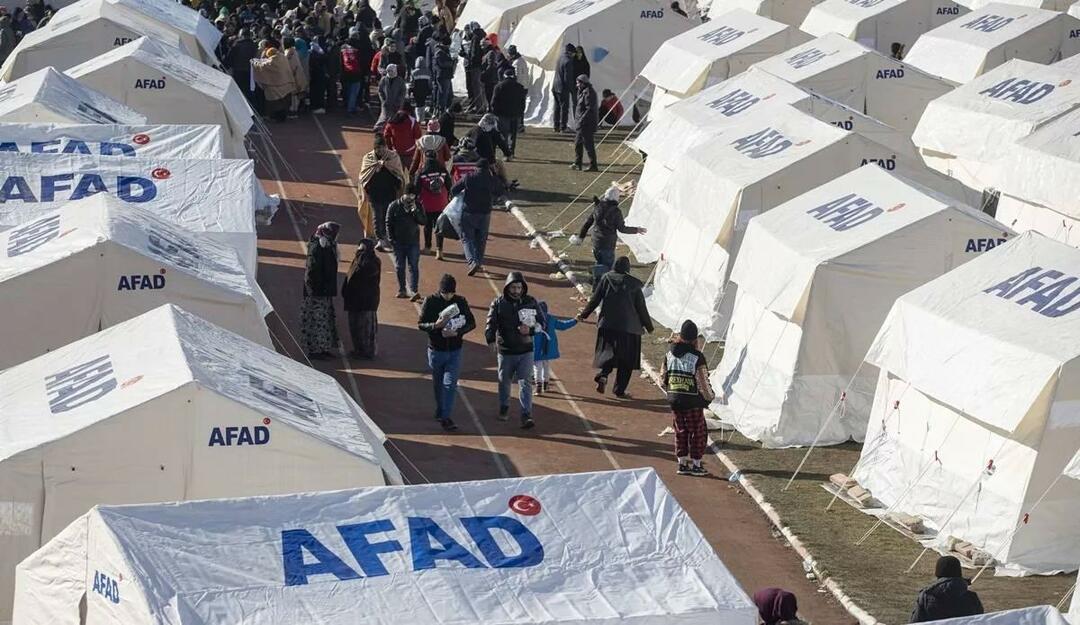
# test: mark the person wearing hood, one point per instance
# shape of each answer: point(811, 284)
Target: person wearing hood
point(408, 20)
point(273, 74)
point(446, 317)
point(360, 292)
point(487, 138)
point(366, 16)
point(606, 222)
point(623, 318)
point(433, 194)
point(581, 62)
point(391, 94)
point(402, 133)
point(564, 87)
point(685, 377)
point(587, 118)
point(546, 347)
point(318, 323)
point(300, 79)
point(508, 106)
point(382, 180)
point(777, 606)
point(431, 145)
point(513, 319)
point(949, 596)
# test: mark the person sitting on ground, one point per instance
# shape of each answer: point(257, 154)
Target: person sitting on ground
point(360, 292)
point(606, 222)
point(611, 110)
point(685, 377)
point(777, 606)
point(446, 317)
point(404, 218)
point(513, 319)
point(949, 596)
point(434, 143)
point(402, 133)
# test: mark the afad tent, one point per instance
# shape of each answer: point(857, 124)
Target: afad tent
point(978, 42)
point(79, 33)
point(48, 96)
point(974, 415)
point(703, 56)
point(498, 17)
point(171, 141)
point(170, 88)
point(619, 37)
point(667, 134)
point(588, 548)
point(881, 24)
point(965, 130)
point(1073, 471)
point(835, 257)
point(790, 12)
point(1037, 615)
point(167, 407)
point(1053, 5)
point(216, 196)
point(867, 81)
point(108, 262)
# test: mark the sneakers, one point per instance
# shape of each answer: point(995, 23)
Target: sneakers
point(698, 471)
point(601, 383)
point(684, 469)
point(540, 388)
point(504, 413)
point(448, 425)
point(475, 269)
point(592, 167)
point(415, 297)
point(526, 421)
point(401, 295)
point(575, 167)
point(384, 246)
point(438, 254)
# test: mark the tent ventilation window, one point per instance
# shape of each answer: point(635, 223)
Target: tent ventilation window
point(989, 201)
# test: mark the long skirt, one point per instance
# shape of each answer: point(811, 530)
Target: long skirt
point(617, 350)
point(364, 327)
point(318, 324)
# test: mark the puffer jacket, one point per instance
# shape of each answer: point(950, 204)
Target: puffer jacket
point(504, 317)
point(948, 597)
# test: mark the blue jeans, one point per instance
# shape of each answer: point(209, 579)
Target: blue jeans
point(444, 94)
point(518, 366)
point(407, 254)
point(605, 260)
point(474, 236)
point(352, 92)
point(444, 378)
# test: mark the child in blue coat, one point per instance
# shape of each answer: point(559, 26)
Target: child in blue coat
point(546, 347)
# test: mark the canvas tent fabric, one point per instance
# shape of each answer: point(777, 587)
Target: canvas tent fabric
point(619, 37)
point(972, 45)
point(109, 262)
point(973, 418)
point(498, 17)
point(609, 547)
point(171, 88)
point(1053, 5)
point(145, 141)
point(49, 96)
point(1036, 615)
point(790, 12)
point(165, 407)
point(878, 24)
point(836, 67)
point(835, 257)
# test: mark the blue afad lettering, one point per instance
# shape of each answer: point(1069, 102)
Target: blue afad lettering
point(1019, 90)
point(846, 212)
point(169, 246)
point(887, 164)
point(722, 35)
point(885, 74)
point(79, 385)
point(577, 6)
point(846, 124)
point(804, 58)
point(71, 146)
point(1074, 33)
point(149, 83)
point(1048, 292)
point(982, 245)
point(762, 143)
point(33, 235)
point(652, 14)
point(106, 587)
point(236, 436)
point(948, 11)
point(988, 23)
point(141, 282)
point(865, 4)
point(734, 102)
point(133, 189)
point(305, 556)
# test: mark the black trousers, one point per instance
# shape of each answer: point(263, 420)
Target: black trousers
point(562, 108)
point(622, 376)
point(585, 141)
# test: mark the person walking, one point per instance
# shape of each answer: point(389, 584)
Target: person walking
point(404, 217)
point(685, 377)
point(487, 138)
point(623, 317)
point(477, 190)
point(564, 88)
point(587, 118)
point(318, 322)
point(382, 180)
point(546, 347)
point(508, 105)
point(512, 321)
point(444, 65)
point(777, 606)
point(949, 596)
point(421, 87)
point(402, 132)
point(433, 183)
point(606, 221)
point(360, 292)
point(446, 317)
point(431, 143)
point(354, 67)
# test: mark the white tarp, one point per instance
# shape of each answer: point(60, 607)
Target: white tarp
point(619, 37)
point(170, 87)
point(975, 413)
point(835, 257)
point(498, 16)
point(109, 262)
point(49, 96)
point(216, 196)
point(879, 24)
point(1037, 615)
point(790, 12)
point(981, 40)
point(166, 407)
point(580, 549)
point(1054, 5)
point(147, 141)
point(724, 46)
point(867, 81)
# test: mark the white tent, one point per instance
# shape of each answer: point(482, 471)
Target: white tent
point(170, 88)
point(878, 24)
point(790, 12)
point(974, 416)
point(48, 96)
point(981, 40)
point(164, 407)
point(1074, 9)
point(1073, 471)
point(965, 130)
point(867, 81)
point(580, 549)
point(498, 16)
point(171, 141)
point(1037, 615)
point(703, 56)
point(816, 277)
point(79, 33)
point(216, 196)
point(619, 37)
point(1054, 5)
point(108, 262)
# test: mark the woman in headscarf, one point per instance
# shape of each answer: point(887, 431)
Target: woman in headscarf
point(318, 323)
point(300, 79)
point(274, 75)
point(391, 94)
point(623, 317)
point(382, 180)
point(777, 606)
point(360, 291)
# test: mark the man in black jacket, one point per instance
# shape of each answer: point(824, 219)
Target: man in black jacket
point(564, 88)
point(513, 319)
point(241, 53)
point(508, 106)
point(948, 597)
point(473, 54)
point(446, 317)
point(487, 138)
point(587, 118)
point(606, 221)
point(478, 190)
point(404, 217)
point(623, 318)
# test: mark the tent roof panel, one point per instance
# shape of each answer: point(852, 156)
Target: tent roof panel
point(540, 32)
point(1037, 615)
point(1044, 167)
point(160, 56)
point(843, 16)
point(814, 57)
point(1073, 468)
point(65, 97)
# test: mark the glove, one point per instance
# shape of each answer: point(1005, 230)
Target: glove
point(575, 239)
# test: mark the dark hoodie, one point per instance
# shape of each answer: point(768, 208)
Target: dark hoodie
point(606, 221)
point(948, 597)
point(504, 317)
point(624, 307)
point(360, 290)
point(429, 314)
point(565, 78)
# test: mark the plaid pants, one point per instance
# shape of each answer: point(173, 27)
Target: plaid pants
point(690, 432)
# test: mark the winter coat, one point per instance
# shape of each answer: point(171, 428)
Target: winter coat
point(444, 64)
point(320, 270)
point(479, 189)
point(508, 98)
point(521, 66)
point(274, 76)
point(948, 597)
point(435, 144)
point(402, 132)
point(391, 95)
point(474, 55)
point(546, 345)
point(565, 78)
point(403, 223)
point(360, 290)
point(581, 66)
point(7, 38)
point(586, 112)
point(606, 221)
point(503, 319)
point(487, 141)
point(429, 314)
point(489, 67)
point(297, 68)
point(240, 55)
point(623, 307)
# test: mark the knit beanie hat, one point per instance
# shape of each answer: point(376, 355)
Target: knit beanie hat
point(688, 332)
